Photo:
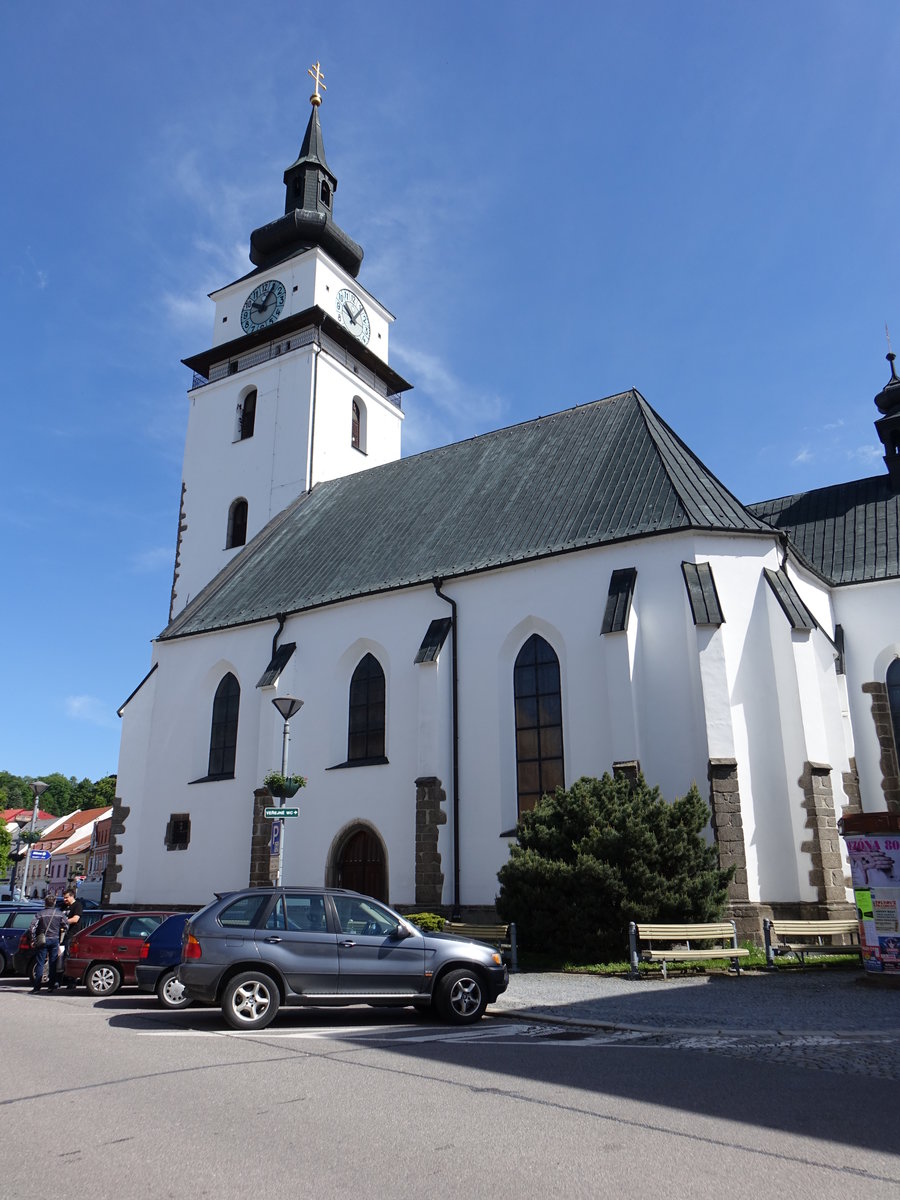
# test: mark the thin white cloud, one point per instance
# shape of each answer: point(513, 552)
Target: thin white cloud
point(866, 454)
point(447, 408)
point(152, 560)
point(803, 456)
point(91, 710)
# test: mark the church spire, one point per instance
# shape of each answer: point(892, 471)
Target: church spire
point(888, 426)
point(309, 197)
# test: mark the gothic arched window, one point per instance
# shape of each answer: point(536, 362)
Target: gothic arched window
point(354, 425)
point(365, 739)
point(237, 524)
point(223, 733)
point(893, 689)
point(539, 734)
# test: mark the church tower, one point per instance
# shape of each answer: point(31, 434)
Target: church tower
point(295, 388)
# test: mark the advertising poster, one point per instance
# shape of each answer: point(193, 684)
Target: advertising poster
point(867, 932)
point(875, 870)
point(874, 860)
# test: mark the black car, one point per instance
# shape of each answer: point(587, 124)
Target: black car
point(255, 950)
point(157, 965)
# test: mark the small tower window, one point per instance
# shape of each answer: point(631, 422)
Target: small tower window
point(325, 193)
point(237, 524)
point(247, 415)
point(358, 425)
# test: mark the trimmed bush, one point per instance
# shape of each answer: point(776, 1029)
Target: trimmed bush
point(606, 852)
point(428, 922)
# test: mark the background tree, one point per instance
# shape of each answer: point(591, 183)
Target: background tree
point(64, 794)
point(5, 846)
point(603, 853)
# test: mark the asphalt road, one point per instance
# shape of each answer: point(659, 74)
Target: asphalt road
point(117, 1098)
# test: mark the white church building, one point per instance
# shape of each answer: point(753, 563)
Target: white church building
point(475, 625)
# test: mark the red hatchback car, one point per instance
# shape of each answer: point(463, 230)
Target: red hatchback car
point(103, 956)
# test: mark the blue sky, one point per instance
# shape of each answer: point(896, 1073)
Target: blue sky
point(557, 202)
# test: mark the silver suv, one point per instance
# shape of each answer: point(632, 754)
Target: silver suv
point(255, 950)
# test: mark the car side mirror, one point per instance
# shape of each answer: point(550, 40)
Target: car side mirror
point(399, 932)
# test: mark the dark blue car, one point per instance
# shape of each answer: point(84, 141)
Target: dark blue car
point(13, 923)
point(159, 959)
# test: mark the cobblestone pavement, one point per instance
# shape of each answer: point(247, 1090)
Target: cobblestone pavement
point(826, 1020)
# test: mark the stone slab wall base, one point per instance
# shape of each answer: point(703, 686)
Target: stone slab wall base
point(430, 815)
point(263, 865)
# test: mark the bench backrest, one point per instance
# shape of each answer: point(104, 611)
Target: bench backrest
point(710, 931)
point(813, 928)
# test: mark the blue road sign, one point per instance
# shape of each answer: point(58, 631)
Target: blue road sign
point(275, 840)
point(40, 854)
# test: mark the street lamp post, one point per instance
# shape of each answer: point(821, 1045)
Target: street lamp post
point(38, 787)
point(288, 706)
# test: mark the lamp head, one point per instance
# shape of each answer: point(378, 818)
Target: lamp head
point(288, 706)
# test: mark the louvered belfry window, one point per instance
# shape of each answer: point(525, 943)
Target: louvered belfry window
point(539, 733)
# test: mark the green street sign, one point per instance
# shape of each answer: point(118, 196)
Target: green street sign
point(282, 812)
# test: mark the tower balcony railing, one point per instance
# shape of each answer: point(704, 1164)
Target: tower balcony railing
point(297, 341)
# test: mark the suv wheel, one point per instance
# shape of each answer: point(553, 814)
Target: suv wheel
point(250, 1001)
point(460, 997)
point(103, 979)
point(170, 992)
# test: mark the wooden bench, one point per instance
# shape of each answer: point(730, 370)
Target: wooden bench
point(678, 947)
point(781, 937)
point(501, 936)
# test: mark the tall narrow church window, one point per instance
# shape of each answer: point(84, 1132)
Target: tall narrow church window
point(354, 426)
point(248, 415)
point(237, 524)
point(366, 725)
point(893, 689)
point(223, 733)
point(325, 193)
point(539, 735)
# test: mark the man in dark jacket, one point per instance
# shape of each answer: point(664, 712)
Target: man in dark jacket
point(45, 933)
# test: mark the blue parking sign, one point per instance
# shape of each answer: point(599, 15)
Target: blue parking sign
point(275, 839)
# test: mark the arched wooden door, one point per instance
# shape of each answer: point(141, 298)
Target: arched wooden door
point(360, 865)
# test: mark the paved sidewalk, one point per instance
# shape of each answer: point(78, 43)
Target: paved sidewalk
point(827, 1002)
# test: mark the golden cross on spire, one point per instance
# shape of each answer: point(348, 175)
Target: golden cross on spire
point(317, 76)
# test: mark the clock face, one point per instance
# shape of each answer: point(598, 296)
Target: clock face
point(352, 314)
point(263, 306)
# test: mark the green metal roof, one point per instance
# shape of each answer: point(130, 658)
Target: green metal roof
point(849, 532)
point(601, 473)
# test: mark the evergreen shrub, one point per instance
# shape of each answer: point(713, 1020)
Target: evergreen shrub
point(428, 922)
point(603, 853)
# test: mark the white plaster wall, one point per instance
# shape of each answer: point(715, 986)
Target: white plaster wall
point(265, 469)
point(664, 692)
point(333, 453)
point(870, 616)
point(311, 278)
